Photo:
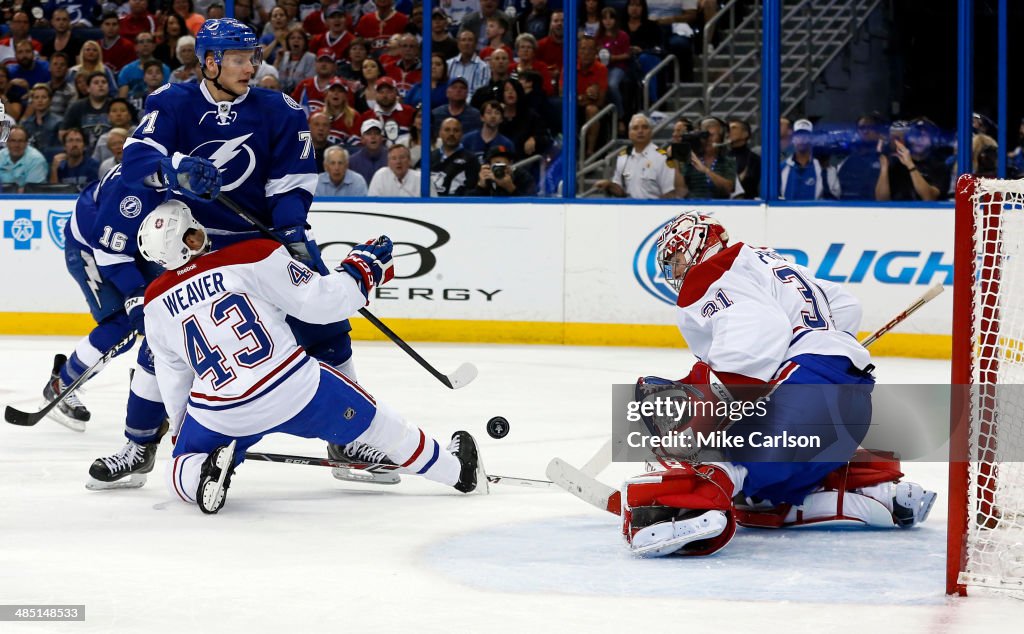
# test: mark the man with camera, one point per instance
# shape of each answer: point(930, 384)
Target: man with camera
point(703, 157)
point(498, 177)
point(642, 171)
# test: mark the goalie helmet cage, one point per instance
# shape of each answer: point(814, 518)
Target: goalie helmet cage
point(985, 539)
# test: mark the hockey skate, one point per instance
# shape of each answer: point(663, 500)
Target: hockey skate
point(70, 412)
point(126, 469)
point(911, 504)
point(215, 478)
point(472, 477)
point(668, 535)
point(360, 452)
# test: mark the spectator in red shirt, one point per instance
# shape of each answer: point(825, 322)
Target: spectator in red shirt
point(19, 26)
point(591, 88)
point(526, 48)
point(614, 40)
point(378, 26)
point(336, 37)
point(397, 118)
point(312, 90)
point(549, 49)
point(408, 70)
point(137, 20)
point(117, 51)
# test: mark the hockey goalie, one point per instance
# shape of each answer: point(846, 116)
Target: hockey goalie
point(758, 323)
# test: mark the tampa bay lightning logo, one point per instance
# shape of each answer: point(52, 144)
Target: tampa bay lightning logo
point(235, 160)
point(130, 206)
point(55, 221)
point(647, 272)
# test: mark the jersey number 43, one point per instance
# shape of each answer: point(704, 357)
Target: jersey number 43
point(232, 314)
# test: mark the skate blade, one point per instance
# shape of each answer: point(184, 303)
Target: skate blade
point(60, 417)
point(132, 481)
point(358, 475)
point(483, 485)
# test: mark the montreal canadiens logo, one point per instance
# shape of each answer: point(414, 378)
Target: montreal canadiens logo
point(131, 206)
point(647, 272)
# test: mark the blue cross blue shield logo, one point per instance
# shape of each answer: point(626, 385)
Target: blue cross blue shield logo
point(23, 230)
point(55, 221)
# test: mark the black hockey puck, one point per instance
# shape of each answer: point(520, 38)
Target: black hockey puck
point(497, 427)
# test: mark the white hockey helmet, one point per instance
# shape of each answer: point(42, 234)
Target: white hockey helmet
point(161, 237)
point(698, 236)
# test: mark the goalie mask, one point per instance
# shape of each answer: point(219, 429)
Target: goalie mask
point(696, 236)
point(162, 235)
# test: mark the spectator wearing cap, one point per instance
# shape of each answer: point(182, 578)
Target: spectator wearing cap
point(441, 41)
point(373, 155)
point(407, 70)
point(454, 169)
point(137, 20)
point(377, 27)
point(130, 79)
point(468, 64)
point(310, 92)
point(480, 141)
point(499, 177)
point(456, 108)
point(913, 171)
point(804, 177)
point(190, 69)
point(336, 37)
point(346, 122)
point(338, 179)
point(388, 108)
point(397, 178)
point(297, 62)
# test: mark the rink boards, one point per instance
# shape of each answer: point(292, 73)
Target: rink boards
point(544, 273)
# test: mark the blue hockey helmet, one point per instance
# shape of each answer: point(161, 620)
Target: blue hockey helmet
point(226, 34)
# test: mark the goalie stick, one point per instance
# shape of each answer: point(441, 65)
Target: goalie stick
point(371, 467)
point(583, 484)
point(27, 419)
point(462, 376)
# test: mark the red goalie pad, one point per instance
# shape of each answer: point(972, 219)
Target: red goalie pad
point(866, 468)
point(661, 496)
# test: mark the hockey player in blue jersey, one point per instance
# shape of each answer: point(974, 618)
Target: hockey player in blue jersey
point(102, 256)
point(222, 135)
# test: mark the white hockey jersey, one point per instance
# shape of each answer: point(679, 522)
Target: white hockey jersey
point(747, 310)
point(220, 341)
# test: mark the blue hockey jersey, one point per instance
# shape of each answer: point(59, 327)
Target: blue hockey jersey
point(106, 221)
point(260, 142)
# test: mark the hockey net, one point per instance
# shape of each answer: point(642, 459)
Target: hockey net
point(986, 498)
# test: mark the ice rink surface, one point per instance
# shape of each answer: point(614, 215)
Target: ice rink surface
point(295, 550)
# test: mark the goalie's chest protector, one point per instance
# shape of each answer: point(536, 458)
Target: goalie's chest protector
point(747, 310)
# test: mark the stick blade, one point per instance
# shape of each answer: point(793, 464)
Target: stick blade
point(18, 417)
point(462, 376)
point(594, 493)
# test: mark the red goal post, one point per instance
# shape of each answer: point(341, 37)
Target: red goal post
point(985, 539)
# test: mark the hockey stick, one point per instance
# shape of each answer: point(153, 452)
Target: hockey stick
point(928, 296)
point(26, 419)
point(379, 468)
point(462, 375)
point(582, 483)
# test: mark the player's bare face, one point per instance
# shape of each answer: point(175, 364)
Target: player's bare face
point(236, 70)
point(680, 264)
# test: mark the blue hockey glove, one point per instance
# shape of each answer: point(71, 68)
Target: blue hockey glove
point(193, 176)
point(370, 263)
point(133, 305)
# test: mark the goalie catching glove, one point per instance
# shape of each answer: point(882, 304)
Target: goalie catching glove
point(371, 264)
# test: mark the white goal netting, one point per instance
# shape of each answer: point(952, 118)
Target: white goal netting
point(995, 521)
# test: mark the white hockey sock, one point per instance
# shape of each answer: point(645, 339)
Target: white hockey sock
point(183, 475)
point(737, 473)
point(87, 353)
point(410, 447)
point(348, 369)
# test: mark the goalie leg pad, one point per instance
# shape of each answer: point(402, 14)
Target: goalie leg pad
point(685, 510)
